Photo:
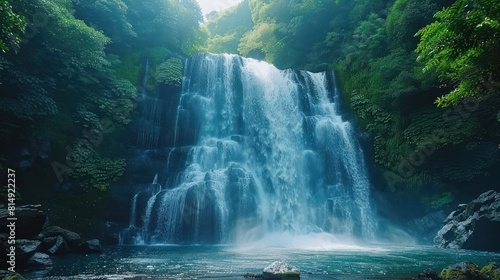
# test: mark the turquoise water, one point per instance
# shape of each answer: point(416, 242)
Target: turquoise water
point(229, 262)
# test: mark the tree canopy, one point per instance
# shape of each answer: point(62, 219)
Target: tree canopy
point(462, 48)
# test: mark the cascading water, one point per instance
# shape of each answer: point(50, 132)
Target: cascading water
point(265, 151)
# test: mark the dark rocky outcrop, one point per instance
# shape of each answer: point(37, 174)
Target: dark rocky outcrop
point(474, 226)
point(30, 220)
point(280, 270)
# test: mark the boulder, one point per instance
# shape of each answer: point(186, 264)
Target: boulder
point(490, 272)
point(279, 270)
point(474, 226)
point(89, 247)
point(59, 247)
point(73, 239)
point(30, 221)
point(40, 260)
point(47, 243)
point(4, 273)
point(461, 271)
point(25, 249)
point(428, 274)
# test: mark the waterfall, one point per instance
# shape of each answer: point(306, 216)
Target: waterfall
point(258, 150)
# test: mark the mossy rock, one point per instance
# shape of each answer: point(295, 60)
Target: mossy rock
point(490, 272)
point(15, 276)
point(461, 271)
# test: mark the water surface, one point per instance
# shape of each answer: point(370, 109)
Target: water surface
point(230, 262)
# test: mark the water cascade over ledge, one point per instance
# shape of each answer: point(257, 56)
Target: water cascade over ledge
point(257, 151)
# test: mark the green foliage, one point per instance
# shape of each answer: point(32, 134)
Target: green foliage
point(467, 162)
point(404, 20)
point(12, 27)
point(155, 57)
point(461, 46)
point(166, 23)
point(24, 95)
point(110, 16)
point(370, 37)
point(442, 200)
point(118, 101)
point(261, 38)
point(281, 32)
point(87, 119)
point(128, 66)
point(72, 85)
point(92, 170)
point(227, 28)
point(427, 122)
point(169, 72)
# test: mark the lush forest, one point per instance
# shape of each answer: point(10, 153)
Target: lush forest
point(69, 71)
point(421, 79)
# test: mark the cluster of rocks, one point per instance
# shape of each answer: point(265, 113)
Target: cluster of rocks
point(34, 241)
point(474, 226)
point(463, 271)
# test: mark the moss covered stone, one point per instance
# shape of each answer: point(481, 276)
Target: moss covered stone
point(461, 271)
point(15, 276)
point(491, 272)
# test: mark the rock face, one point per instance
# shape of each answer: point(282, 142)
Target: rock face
point(474, 226)
point(280, 270)
point(425, 228)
